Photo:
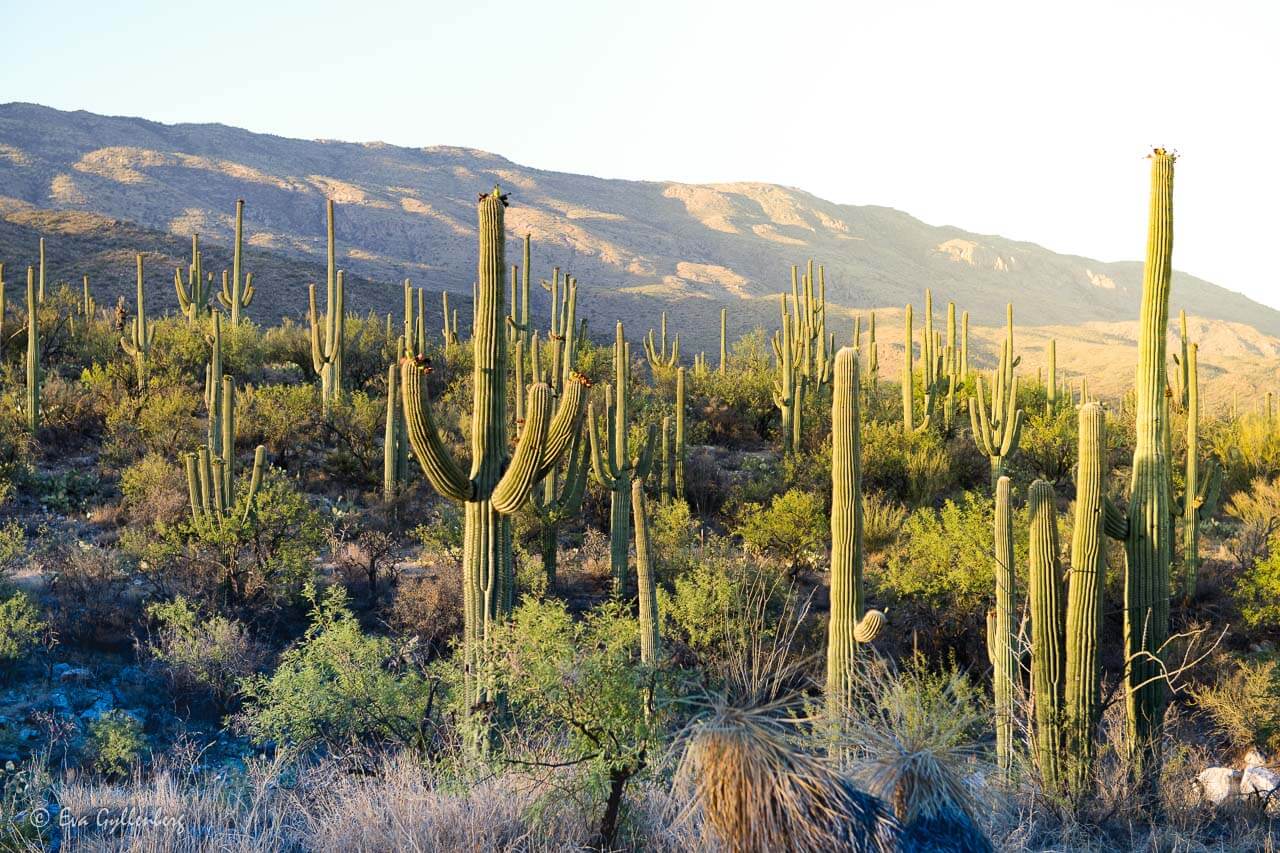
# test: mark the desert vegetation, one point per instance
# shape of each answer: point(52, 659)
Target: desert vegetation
point(496, 583)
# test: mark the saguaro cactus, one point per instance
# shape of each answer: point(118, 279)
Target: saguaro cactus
point(680, 449)
point(238, 293)
point(612, 463)
point(996, 431)
point(328, 331)
point(395, 444)
point(1001, 641)
point(1200, 495)
point(646, 588)
point(138, 345)
point(40, 292)
point(932, 369)
point(724, 341)
point(193, 296)
point(788, 388)
point(657, 353)
point(211, 491)
point(449, 331)
point(33, 353)
point(1084, 595)
point(88, 308)
point(500, 481)
point(1045, 603)
point(1051, 379)
point(849, 623)
point(214, 400)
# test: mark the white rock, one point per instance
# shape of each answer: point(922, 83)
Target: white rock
point(1253, 758)
point(1219, 784)
point(1259, 781)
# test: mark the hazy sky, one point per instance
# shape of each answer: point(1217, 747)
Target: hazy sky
point(1027, 119)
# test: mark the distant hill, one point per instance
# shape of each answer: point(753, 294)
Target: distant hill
point(106, 186)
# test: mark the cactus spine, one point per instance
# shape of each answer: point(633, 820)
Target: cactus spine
point(138, 345)
point(612, 463)
point(33, 351)
point(1045, 603)
point(193, 298)
point(499, 481)
point(1001, 644)
point(657, 354)
point(1084, 596)
point(848, 625)
point(237, 294)
point(328, 332)
point(996, 431)
point(646, 588)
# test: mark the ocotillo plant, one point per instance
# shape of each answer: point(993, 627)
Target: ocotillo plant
point(1147, 528)
point(328, 331)
point(996, 431)
point(724, 343)
point(612, 463)
point(238, 293)
point(499, 481)
point(1001, 642)
point(1200, 496)
point(849, 623)
point(193, 297)
point(646, 588)
point(1084, 596)
point(1044, 595)
point(33, 353)
point(138, 345)
point(657, 354)
point(449, 331)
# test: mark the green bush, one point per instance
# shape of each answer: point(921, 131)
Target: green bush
point(793, 528)
point(154, 491)
point(1047, 446)
point(286, 419)
point(339, 686)
point(882, 520)
point(21, 628)
point(1244, 706)
point(115, 744)
point(672, 535)
point(912, 469)
point(201, 652)
point(1257, 591)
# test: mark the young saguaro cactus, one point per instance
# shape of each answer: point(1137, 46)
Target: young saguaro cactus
point(499, 482)
point(214, 398)
point(1001, 621)
point(138, 345)
point(238, 293)
point(193, 296)
point(1084, 596)
point(850, 623)
point(1200, 496)
point(996, 431)
point(646, 587)
point(680, 447)
point(657, 354)
point(328, 331)
point(932, 370)
point(33, 353)
point(449, 330)
point(611, 460)
point(1044, 596)
point(395, 444)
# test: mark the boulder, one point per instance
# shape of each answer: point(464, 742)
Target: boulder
point(1253, 758)
point(1219, 784)
point(75, 675)
point(1258, 781)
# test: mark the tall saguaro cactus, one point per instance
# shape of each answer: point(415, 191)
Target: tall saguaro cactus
point(499, 481)
point(646, 587)
point(996, 431)
point(238, 293)
point(659, 357)
point(850, 623)
point(611, 460)
point(788, 388)
point(328, 332)
point(724, 343)
point(33, 353)
point(1001, 641)
point(193, 296)
point(395, 455)
point(1084, 595)
point(1044, 594)
point(680, 448)
point(138, 345)
point(1200, 495)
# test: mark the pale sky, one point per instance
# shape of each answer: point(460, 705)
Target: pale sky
point(1026, 119)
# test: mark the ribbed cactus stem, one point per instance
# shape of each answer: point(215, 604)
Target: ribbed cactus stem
point(40, 293)
point(193, 300)
point(964, 344)
point(646, 587)
point(1084, 596)
point(392, 438)
point(328, 331)
point(668, 478)
point(1000, 628)
point(848, 624)
point(680, 448)
point(138, 345)
point(787, 387)
point(213, 389)
point(1044, 595)
point(3, 337)
point(996, 430)
point(724, 340)
point(659, 357)
point(33, 351)
point(1051, 381)
point(1148, 544)
point(238, 292)
point(908, 380)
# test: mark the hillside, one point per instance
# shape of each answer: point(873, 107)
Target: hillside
point(638, 247)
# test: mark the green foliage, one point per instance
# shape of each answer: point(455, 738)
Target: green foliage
point(1248, 447)
point(115, 744)
point(339, 686)
point(157, 421)
point(1047, 445)
point(882, 521)
point(792, 528)
point(1244, 706)
point(912, 468)
point(21, 628)
point(672, 532)
point(283, 418)
point(1257, 591)
point(945, 557)
point(202, 652)
point(13, 548)
point(154, 491)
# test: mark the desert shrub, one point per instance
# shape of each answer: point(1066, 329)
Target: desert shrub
point(1257, 591)
point(1047, 446)
point(154, 491)
point(88, 591)
point(21, 628)
point(201, 653)
point(672, 532)
point(739, 406)
point(909, 468)
point(68, 411)
point(13, 549)
point(793, 528)
point(115, 744)
point(286, 419)
point(365, 551)
point(882, 519)
point(704, 482)
point(580, 682)
point(367, 349)
point(1248, 448)
point(428, 606)
point(339, 686)
point(355, 428)
point(1257, 508)
point(442, 533)
point(157, 421)
point(1244, 706)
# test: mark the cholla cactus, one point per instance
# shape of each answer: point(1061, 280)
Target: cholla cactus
point(138, 345)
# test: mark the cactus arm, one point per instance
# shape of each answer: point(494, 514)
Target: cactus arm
point(603, 469)
point(566, 424)
point(869, 626)
point(645, 584)
point(1116, 523)
point(424, 437)
point(513, 488)
point(255, 481)
point(642, 464)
